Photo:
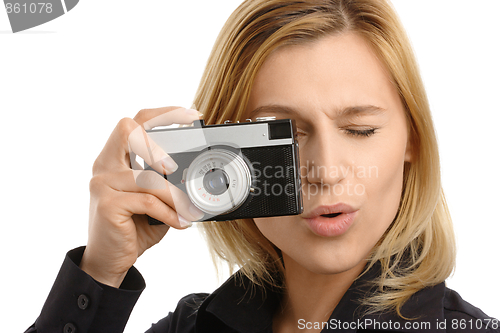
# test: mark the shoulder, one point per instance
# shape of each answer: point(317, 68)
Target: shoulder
point(461, 316)
point(183, 319)
point(189, 304)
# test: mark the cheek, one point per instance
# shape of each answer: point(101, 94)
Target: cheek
point(384, 185)
point(385, 174)
point(278, 230)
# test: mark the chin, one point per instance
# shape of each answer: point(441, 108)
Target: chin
point(326, 261)
point(316, 254)
point(323, 269)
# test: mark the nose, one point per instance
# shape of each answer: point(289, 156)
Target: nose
point(323, 158)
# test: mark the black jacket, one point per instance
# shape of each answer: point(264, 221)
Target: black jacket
point(77, 303)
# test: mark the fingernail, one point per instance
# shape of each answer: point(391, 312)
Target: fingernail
point(192, 112)
point(169, 164)
point(183, 222)
point(195, 212)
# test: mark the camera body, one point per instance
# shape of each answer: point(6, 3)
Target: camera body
point(235, 170)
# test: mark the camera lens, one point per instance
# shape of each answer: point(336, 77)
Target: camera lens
point(216, 181)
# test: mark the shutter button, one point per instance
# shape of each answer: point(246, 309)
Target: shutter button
point(69, 328)
point(83, 301)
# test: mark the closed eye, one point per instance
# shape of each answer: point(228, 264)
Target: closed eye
point(352, 132)
point(365, 132)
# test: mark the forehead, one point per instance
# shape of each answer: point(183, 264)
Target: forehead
point(333, 72)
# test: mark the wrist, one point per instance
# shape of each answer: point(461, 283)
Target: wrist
point(100, 273)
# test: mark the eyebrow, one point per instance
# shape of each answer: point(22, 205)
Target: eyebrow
point(348, 112)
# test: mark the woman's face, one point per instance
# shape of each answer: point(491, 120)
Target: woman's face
point(352, 138)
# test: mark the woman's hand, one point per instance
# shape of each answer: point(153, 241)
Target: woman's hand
point(120, 196)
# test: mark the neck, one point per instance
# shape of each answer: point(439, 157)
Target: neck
point(310, 297)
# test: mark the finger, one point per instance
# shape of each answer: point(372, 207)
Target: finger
point(157, 185)
point(115, 153)
point(167, 116)
point(147, 204)
point(142, 145)
point(150, 182)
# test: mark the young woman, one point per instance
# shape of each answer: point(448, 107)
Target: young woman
point(375, 242)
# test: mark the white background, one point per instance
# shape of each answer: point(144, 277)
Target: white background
point(64, 86)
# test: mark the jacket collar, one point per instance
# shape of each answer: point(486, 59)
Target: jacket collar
point(241, 306)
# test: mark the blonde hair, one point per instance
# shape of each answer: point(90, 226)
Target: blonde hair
point(418, 249)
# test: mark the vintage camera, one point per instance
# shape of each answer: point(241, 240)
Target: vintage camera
point(236, 170)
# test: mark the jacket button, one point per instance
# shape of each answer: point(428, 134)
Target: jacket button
point(83, 301)
point(69, 328)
